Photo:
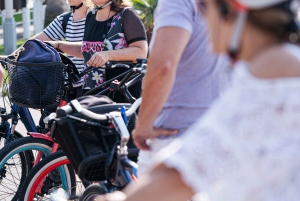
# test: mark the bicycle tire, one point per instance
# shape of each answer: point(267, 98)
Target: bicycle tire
point(16, 159)
point(16, 135)
point(91, 191)
point(41, 172)
point(23, 157)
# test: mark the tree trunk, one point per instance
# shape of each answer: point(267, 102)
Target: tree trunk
point(53, 9)
point(149, 36)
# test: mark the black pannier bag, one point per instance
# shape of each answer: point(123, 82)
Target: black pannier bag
point(87, 144)
point(36, 76)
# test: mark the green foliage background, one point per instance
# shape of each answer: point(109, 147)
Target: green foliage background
point(146, 10)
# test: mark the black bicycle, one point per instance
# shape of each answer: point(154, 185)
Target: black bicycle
point(96, 146)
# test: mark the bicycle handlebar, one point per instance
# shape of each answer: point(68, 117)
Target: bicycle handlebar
point(108, 65)
point(75, 106)
point(130, 77)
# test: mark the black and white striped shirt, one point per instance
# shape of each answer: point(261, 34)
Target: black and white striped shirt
point(74, 33)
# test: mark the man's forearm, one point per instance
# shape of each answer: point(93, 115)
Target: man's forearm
point(161, 72)
point(156, 90)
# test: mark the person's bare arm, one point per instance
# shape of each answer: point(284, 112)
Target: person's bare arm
point(134, 50)
point(2, 57)
point(161, 70)
point(71, 48)
point(41, 36)
point(162, 184)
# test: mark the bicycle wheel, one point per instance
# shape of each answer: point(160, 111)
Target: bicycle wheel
point(91, 191)
point(16, 135)
point(52, 173)
point(16, 160)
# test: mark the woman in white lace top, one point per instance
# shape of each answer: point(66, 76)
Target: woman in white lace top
point(247, 146)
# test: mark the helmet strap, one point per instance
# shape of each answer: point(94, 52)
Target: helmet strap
point(96, 8)
point(76, 7)
point(237, 33)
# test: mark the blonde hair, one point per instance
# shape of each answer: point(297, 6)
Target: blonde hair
point(117, 5)
point(88, 3)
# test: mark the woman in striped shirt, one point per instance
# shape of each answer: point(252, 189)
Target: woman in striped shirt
point(73, 32)
point(74, 29)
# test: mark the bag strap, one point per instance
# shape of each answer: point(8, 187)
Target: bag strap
point(66, 17)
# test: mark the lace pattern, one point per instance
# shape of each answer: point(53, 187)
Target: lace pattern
point(247, 146)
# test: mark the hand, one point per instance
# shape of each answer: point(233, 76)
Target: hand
point(115, 196)
point(54, 44)
point(98, 59)
point(140, 135)
point(2, 57)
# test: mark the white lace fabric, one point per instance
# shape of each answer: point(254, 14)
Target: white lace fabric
point(247, 146)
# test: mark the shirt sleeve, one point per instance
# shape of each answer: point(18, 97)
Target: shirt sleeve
point(54, 30)
point(175, 13)
point(133, 26)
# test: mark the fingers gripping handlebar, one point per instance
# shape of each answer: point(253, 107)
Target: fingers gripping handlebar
point(116, 64)
point(108, 65)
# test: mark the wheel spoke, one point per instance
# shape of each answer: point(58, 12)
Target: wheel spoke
point(18, 157)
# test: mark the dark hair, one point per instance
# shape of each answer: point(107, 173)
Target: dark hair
point(277, 22)
point(118, 5)
point(274, 20)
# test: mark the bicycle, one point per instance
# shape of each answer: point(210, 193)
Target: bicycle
point(15, 168)
point(49, 164)
point(44, 144)
point(124, 170)
point(5, 128)
point(8, 134)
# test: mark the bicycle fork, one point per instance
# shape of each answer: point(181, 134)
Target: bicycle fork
point(54, 148)
point(9, 133)
point(40, 154)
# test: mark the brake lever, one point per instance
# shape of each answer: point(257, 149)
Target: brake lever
point(111, 66)
point(108, 65)
point(85, 71)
